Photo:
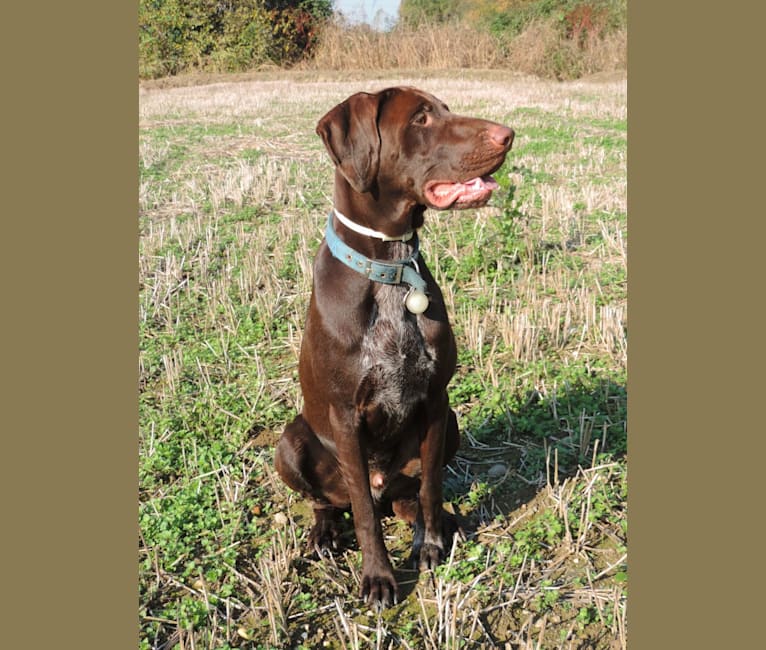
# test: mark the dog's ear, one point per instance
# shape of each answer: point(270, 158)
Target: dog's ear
point(350, 133)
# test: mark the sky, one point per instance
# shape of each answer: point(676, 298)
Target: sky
point(367, 10)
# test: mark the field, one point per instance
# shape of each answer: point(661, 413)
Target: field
point(234, 191)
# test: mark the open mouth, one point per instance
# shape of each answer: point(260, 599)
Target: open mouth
point(473, 193)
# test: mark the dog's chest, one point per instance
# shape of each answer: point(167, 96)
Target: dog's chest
point(397, 361)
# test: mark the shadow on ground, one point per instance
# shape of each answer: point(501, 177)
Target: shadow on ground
point(515, 451)
point(504, 463)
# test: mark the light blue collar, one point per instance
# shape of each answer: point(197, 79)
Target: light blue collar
point(394, 272)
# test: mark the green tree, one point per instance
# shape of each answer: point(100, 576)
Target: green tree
point(175, 35)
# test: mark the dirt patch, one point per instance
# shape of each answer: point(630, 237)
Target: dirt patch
point(265, 438)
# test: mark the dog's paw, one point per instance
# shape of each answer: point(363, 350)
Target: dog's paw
point(380, 590)
point(325, 538)
point(427, 557)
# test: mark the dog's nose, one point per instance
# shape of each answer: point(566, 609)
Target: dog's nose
point(501, 135)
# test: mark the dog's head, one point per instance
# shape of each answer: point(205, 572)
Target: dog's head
point(403, 141)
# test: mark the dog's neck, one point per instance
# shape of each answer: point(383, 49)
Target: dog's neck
point(372, 247)
point(391, 217)
point(369, 232)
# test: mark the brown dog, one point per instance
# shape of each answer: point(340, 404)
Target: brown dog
point(378, 351)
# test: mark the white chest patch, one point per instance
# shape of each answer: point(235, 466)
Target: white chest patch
point(396, 359)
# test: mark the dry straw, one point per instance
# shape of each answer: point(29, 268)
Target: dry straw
point(540, 49)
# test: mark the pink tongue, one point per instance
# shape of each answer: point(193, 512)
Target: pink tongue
point(457, 189)
point(483, 183)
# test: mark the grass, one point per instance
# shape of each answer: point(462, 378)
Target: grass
point(541, 48)
point(234, 191)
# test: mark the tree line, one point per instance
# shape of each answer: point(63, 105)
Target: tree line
point(234, 35)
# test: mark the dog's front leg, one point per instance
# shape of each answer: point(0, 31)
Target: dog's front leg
point(429, 545)
point(378, 582)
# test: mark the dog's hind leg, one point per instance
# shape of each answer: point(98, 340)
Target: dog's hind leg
point(308, 467)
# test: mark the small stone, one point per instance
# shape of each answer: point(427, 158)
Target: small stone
point(497, 471)
point(280, 519)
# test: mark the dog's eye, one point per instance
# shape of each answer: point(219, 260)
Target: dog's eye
point(423, 118)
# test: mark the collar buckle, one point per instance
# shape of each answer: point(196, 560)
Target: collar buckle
point(393, 272)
